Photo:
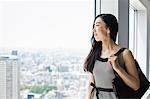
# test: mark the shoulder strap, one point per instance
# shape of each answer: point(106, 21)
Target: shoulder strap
point(120, 51)
point(120, 59)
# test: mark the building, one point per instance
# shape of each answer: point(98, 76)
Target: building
point(9, 77)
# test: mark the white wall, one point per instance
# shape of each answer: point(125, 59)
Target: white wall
point(142, 40)
point(147, 5)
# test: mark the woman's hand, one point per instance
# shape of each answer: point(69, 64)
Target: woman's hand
point(113, 60)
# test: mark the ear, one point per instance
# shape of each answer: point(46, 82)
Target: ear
point(108, 30)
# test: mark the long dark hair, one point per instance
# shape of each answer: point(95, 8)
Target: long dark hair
point(111, 23)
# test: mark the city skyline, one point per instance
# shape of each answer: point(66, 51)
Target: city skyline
point(58, 71)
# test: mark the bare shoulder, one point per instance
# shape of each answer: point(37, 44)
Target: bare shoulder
point(127, 53)
point(128, 56)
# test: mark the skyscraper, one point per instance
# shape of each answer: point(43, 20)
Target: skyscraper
point(9, 77)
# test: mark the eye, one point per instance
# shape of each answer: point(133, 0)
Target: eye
point(97, 25)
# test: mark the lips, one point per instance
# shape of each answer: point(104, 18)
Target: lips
point(95, 34)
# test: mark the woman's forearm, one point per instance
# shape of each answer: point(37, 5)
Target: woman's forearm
point(128, 79)
point(89, 94)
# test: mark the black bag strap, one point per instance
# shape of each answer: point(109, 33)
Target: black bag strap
point(120, 60)
point(120, 51)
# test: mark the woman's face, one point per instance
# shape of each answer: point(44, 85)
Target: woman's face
point(100, 30)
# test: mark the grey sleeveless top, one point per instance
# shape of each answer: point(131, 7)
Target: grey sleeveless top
point(103, 75)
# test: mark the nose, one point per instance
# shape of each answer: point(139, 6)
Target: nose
point(93, 30)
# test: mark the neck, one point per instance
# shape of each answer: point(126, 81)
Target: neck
point(108, 45)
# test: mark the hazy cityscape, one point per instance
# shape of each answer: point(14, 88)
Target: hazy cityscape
point(51, 74)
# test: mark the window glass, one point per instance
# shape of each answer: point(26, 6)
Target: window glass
point(110, 6)
point(52, 38)
point(132, 28)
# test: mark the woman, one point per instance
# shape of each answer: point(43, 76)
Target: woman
point(102, 60)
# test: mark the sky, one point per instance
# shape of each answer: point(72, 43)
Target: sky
point(46, 24)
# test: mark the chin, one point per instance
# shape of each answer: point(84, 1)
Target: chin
point(97, 40)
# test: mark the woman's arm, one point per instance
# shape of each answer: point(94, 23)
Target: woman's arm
point(130, 77)
point(91, 79)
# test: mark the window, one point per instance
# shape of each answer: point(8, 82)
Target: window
point(132, 29)
point(138, 32)
point(110, 6)
point(52, 38)
point(46, 24)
